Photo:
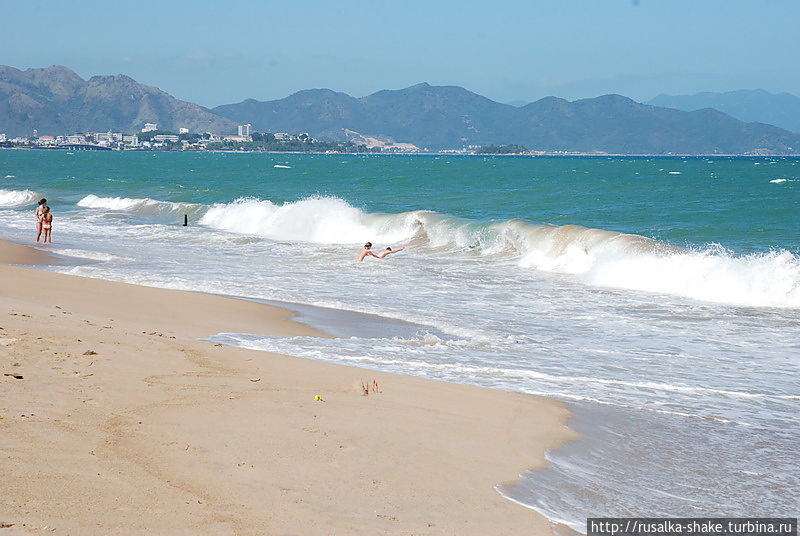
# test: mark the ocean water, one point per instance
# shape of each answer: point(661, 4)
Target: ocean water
point(660, 297)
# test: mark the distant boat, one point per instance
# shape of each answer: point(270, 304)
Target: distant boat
point(282, 166)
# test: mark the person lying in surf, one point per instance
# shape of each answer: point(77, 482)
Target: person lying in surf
point(388, 251)
point(365, 251)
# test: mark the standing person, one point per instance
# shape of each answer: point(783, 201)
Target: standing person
point(47, 224)
point(365, 251)
point(39, 213)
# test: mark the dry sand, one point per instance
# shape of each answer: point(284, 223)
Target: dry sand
point(125, 423)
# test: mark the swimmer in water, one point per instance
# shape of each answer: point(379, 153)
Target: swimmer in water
point(388, 251)
point(365, 251)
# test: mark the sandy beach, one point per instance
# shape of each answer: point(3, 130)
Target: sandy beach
point(118, 419)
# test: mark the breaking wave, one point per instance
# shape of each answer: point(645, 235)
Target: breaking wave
point(593, 256)
point(18, 198)
point(324, 220)
point(144, 206)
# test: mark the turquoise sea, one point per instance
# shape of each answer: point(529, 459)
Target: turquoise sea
point(660, 297)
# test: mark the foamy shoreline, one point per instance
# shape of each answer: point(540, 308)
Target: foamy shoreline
point(125, 421)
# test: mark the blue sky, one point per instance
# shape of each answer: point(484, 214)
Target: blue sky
point(225, 51)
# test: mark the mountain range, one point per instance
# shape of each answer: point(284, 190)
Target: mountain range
point(55, 100)
point(779, 109)
point(440, 117)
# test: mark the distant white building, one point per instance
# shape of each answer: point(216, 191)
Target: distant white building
point(149, 127)
point(2, 137)
point(107, 138)
point(183, 130)
point(238, 138)
point(132, 141)
point(245, 130)
point(281, 136)
point(227, 137)
point(166, 137)
point(76, 139)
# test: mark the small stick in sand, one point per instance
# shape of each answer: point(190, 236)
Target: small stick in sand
point(366, 387)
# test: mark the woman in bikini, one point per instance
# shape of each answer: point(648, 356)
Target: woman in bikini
point(39, 213)
point(47, 224)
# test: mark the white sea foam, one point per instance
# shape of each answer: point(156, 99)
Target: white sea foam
point(326, 220)
point(610, 259)
point(778, 181)
point(594, 256)
point(143, 206)
point(91, 255)
point(764, 279)
point(281, 166)
point(17, 198)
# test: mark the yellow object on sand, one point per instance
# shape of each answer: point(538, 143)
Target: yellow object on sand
point(318, 398)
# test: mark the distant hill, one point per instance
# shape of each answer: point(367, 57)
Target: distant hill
point(779, 109)
point(322, 112)
point(439, 117)
point(617, 124)
point(55, 100)
point(427, 116)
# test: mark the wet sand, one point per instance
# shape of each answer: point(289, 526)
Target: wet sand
point(124, 422)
